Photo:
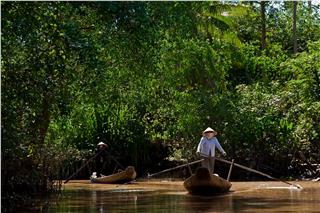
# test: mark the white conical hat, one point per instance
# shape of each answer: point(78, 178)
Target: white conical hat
point(101, 143)
point(208, 130)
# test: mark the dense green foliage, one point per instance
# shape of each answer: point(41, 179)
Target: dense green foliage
point(147, 78)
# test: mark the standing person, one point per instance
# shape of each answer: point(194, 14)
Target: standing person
point(101, 157)
point(206, 148)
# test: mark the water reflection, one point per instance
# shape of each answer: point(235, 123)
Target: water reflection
point(173, 199)
point(221, 203)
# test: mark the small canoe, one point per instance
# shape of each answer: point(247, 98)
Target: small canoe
point(129, 174)
point(204, 183)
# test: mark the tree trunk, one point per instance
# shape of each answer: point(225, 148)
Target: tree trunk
point(263, 24)
point(294, 27)
point(310, 6)
point(44, 119)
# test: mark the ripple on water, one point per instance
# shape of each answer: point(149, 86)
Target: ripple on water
point(171, 197)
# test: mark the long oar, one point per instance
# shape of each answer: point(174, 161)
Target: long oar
point(177, 167)
point(74, 174)
point(117, 162)
point(258, 172)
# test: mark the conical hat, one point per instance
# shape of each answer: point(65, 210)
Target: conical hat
point(101, 143)
point(208, 130)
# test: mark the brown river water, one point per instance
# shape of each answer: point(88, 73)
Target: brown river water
point(170, 196)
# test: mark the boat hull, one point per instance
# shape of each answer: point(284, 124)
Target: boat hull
point(129, 174)
point(204, 183)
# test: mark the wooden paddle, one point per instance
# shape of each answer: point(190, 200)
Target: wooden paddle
point(177, 167)
point(88, 161)
point(258, 172)
point(229, 162)
point(102, 150)
point(117, 162)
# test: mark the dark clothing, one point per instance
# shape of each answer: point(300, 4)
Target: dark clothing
point(100, 160)
point(208, 162)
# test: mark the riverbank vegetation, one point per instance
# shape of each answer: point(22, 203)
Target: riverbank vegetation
point(147, 78)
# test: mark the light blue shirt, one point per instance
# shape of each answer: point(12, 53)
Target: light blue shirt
point(207, 147)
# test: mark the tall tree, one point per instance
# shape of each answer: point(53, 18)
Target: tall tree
point(263, 24)
point(310, 5)
point(294, 27)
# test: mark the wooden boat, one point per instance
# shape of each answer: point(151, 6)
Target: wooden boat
point(204, 183)
point(129, 174)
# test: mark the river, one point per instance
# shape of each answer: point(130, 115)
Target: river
point(170, 196)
